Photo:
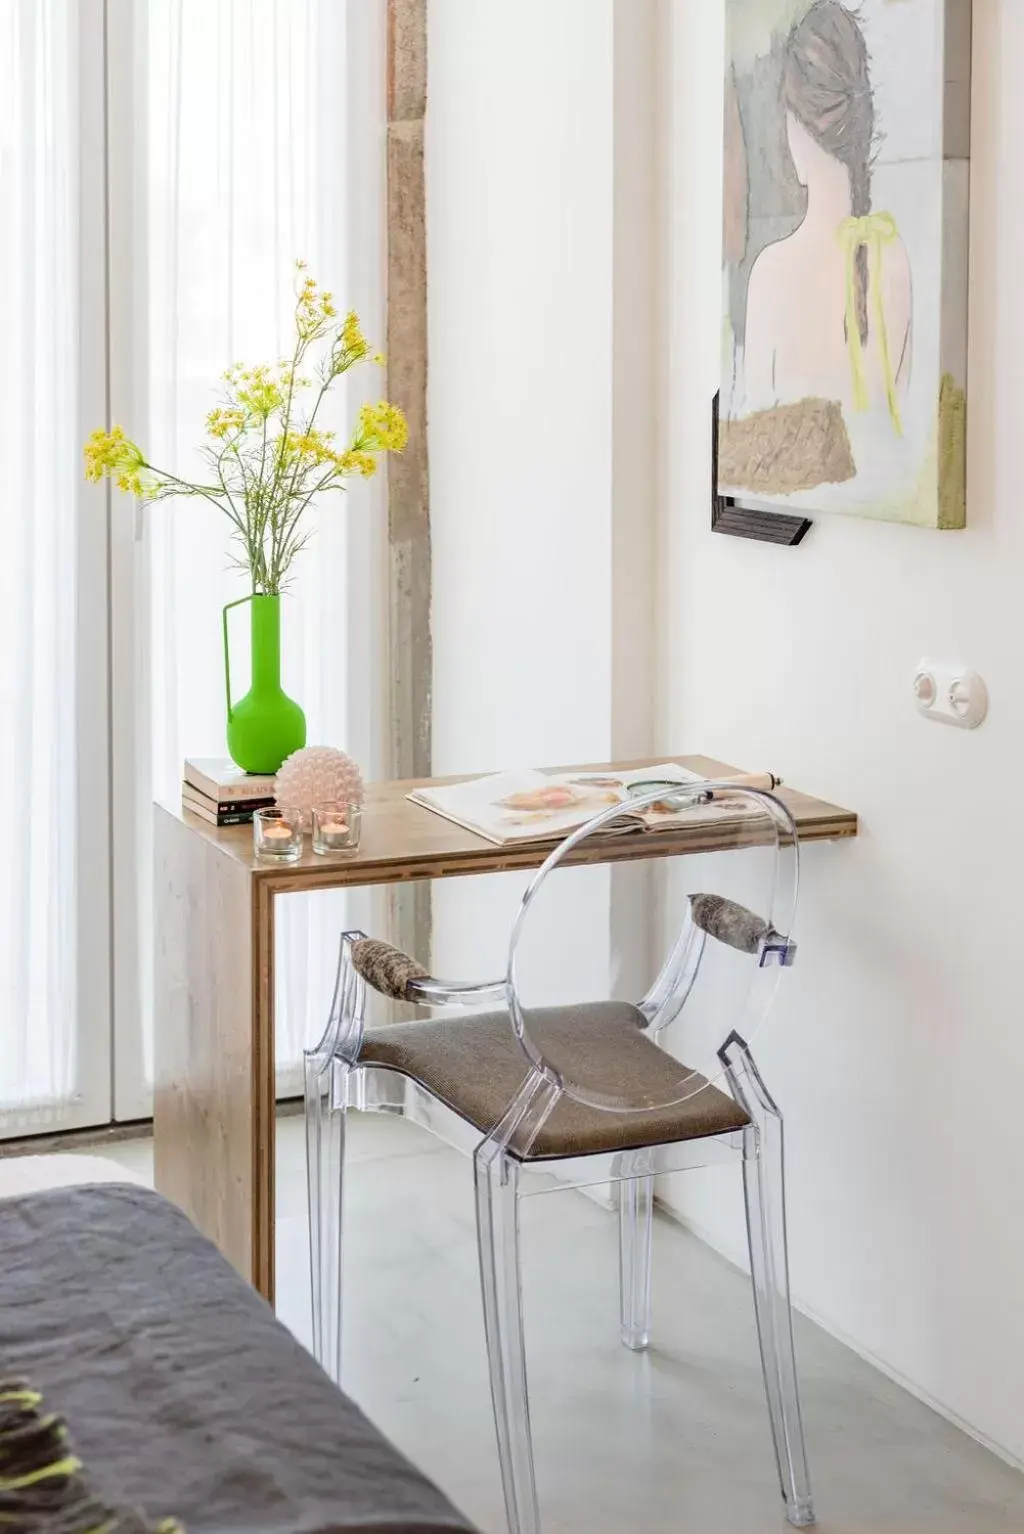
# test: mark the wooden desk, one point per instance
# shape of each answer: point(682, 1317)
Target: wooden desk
point(214, 1022)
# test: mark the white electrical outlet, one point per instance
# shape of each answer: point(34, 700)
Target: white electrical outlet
point(950, 694)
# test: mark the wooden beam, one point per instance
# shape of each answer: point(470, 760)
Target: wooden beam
point(410, 575)
point(407, 60)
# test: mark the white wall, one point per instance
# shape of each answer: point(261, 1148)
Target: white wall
point(528, 356)
point(898, 1045)
point(518, 158)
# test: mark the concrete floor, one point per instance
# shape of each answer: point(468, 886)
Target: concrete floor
point(676, 1440)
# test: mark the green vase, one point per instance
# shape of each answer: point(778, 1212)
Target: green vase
point(266, 725)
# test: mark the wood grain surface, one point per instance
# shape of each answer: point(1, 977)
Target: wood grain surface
point(401, 840)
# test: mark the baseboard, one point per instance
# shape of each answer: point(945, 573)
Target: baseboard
point(739, 1260)
point(76, 1139)
point(109, 1134)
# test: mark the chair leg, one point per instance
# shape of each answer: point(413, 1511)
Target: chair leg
point(497, 1210)
point(636, 1205)
point(325, 1167)
point(764, 1189)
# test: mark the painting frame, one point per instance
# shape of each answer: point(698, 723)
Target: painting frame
point(843, 382)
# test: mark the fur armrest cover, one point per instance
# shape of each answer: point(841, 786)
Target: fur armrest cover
point(729, 922)
point(387, 969)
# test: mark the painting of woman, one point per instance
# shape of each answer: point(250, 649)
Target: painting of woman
point(823, 301)
point(829, 309)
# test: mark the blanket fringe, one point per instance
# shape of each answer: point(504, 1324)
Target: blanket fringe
point(43, 1484)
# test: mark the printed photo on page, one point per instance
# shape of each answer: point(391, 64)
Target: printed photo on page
point(536, 806)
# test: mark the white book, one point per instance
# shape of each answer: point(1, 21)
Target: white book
point(533, 806)
point(220, 780)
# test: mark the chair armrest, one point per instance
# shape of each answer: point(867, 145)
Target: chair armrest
point(729, 922)
point(394, 973)
point(388, 970)
point(733, 924)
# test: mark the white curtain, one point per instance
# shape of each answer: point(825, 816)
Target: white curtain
point(227, 154)
point(42, 506)
point(240, 169)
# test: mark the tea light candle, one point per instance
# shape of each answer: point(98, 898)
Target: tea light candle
point(277, 834)
point(336, 828)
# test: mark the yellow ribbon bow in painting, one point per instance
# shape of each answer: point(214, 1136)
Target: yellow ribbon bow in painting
point(874, 231)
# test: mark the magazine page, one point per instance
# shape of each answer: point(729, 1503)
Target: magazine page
point(524, 806)
point(536, 806)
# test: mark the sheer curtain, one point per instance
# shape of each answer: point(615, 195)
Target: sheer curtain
point(54, 938)
point(240, 167)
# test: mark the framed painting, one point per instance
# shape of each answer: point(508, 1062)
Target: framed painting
point(845, 239)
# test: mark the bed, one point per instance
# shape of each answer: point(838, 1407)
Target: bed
point(182, 1392)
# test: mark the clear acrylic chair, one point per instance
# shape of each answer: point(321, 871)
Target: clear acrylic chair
point(583, 1094)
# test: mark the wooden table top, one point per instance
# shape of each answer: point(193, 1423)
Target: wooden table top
point(401, 840)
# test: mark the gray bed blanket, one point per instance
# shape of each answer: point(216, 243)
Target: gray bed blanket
point(182, 1392)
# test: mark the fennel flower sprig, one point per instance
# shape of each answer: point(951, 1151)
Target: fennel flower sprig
point(266, 457)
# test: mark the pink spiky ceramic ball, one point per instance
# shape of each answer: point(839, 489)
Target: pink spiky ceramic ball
point(317, 775)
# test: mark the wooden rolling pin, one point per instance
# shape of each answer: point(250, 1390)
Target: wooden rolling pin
point(766, 782)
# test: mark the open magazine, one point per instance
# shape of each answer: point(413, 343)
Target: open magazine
point(537, 806)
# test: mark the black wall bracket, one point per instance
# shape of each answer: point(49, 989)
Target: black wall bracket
point(728, 516)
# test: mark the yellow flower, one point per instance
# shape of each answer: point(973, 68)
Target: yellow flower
point(355, 461)
point(314, 446)
point(224, 422)
point(236, 374)
point(314, 309)
point(352, 338)
point(256, 391)
point(383, 428)
point(112, 453)
point(239, 424)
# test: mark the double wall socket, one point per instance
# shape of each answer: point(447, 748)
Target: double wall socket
point(950, 693)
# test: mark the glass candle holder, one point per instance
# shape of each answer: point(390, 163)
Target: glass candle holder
point(277, 835)
point(336, 827)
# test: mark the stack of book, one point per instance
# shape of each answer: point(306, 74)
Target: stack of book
point(222, 794)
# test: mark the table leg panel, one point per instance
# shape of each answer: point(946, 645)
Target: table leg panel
point(213, 1119)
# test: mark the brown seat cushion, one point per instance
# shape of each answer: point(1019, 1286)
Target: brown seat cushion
point(475, 1066)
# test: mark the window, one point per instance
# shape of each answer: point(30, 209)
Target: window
point(54, 908)
point(235, 141)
